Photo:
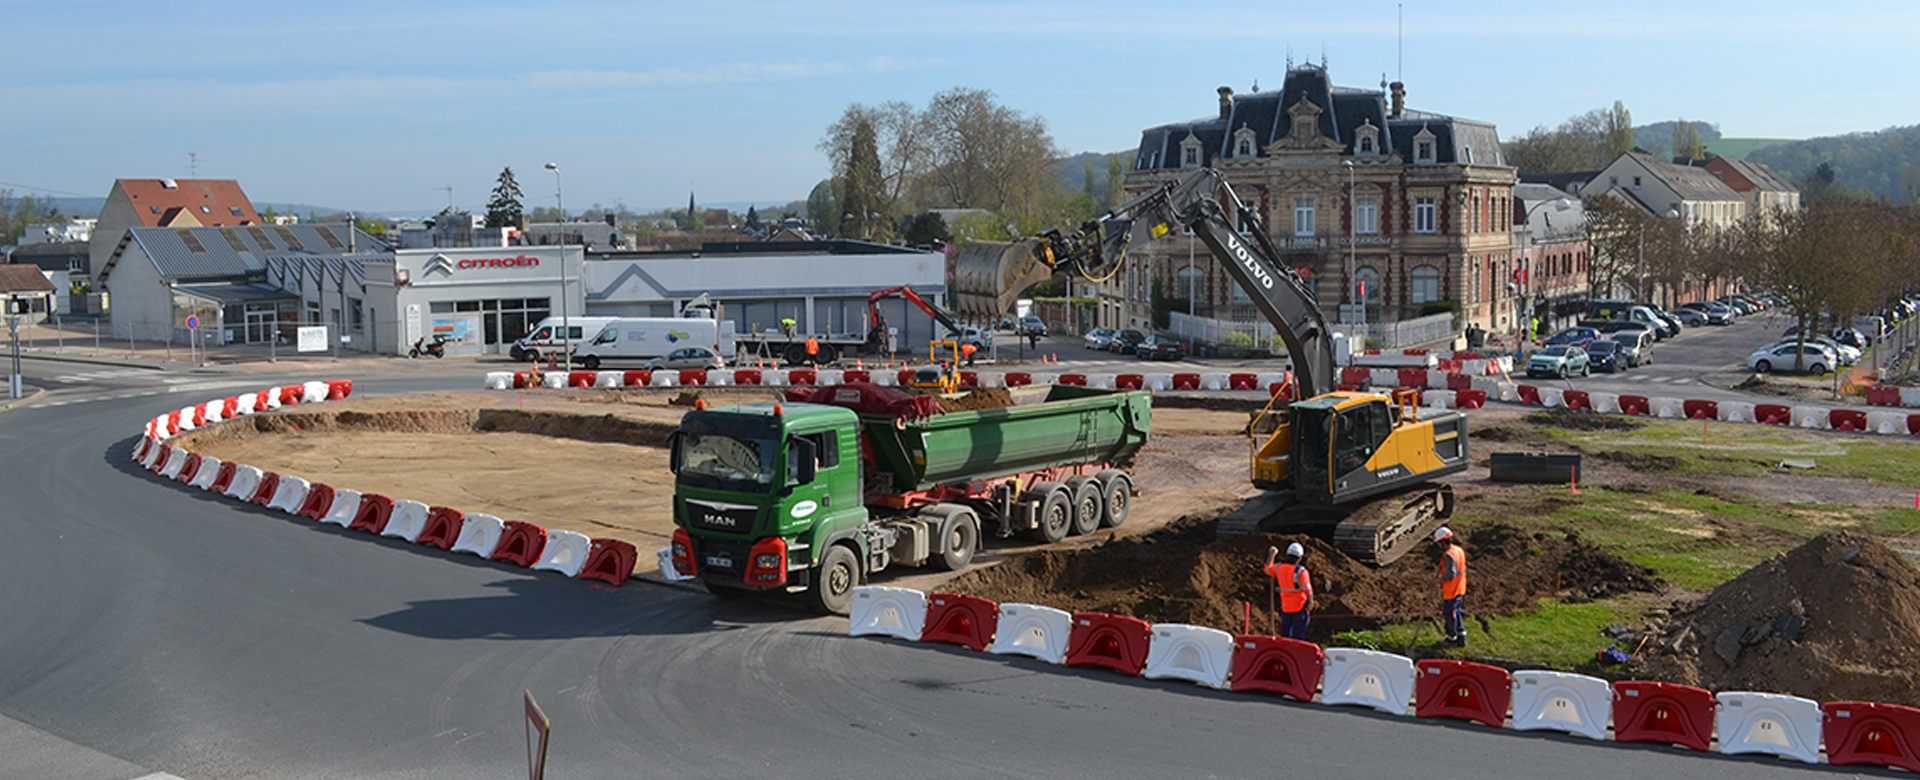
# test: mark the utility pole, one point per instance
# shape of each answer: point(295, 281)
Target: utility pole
point(14, 390)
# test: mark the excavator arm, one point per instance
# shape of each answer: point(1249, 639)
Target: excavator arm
point(988, 275)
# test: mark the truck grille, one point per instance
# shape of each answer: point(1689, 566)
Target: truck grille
point(722, 559)
point(721, 517)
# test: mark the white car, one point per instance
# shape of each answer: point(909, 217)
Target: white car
point(1817, 359)
point(1847, 355)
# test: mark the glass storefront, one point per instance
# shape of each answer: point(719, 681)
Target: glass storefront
point(488, 324)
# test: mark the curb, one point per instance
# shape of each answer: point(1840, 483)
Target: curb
point(96, 361)
point(13, 403)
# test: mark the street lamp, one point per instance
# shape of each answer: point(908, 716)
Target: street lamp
point(1641, 293)
point(1353, 261)
point(566, 331)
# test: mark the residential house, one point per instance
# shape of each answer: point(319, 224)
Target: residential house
point(165, 203)
point(1550, 243)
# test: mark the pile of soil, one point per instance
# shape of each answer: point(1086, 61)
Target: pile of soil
point(1184, 574)
point(977, 400)
point(1835, 619)
point(560, 425)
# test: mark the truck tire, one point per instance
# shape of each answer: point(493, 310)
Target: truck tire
point(590, 362)
point(531, 355)
point(828, 354)
point(517, 353)
point(831, 591)
point(1116, 491)
point(1088, 504)
point(796, 355)
point(1056, 511)
point(959, 538)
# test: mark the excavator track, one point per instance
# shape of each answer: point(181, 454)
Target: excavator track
point(1376, 533)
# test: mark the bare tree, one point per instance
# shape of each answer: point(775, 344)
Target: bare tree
point(986, 155)
point(1578, 144)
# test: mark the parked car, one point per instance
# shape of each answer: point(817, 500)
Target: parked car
point(1575, 336)
point(1668, 326)
point(686, 358)
point(1717, 313)
point(1098, 338)
point(1561, 361)
point(1815, 358)
point(1030, 325)
point(1692, 318)
point(980, 338)
point(1160, 348)
point(1636, 347)
point(1846, 355)
point(1124, 341)
point(1605, 355)
point(1853, 337)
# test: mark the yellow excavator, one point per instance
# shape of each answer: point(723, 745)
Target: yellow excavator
point(1359, 463)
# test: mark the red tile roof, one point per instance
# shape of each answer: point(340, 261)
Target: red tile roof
point(20, 278)
point(211, 202)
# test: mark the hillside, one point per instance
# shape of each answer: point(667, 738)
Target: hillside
point(1874, 162)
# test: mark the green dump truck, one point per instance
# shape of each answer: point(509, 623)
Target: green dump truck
point(811, 498)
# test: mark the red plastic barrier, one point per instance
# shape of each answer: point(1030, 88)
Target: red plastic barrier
point(224, 479)
point(262, 399)
point(1449, 365)
point(1413, 377)
point(1408, 395)
point(609, 561)
point(1701, 410)
point(1278, 389)
point(1243, 381)
point(1019, 379)
point(1075, 380)
point(319, 501)
point(905, 377)
point(1882, 395)
point(146, 443)
point(1529, 395)
point(856, 375)
point(1186, 381)
point(693, 377)
point(442, 528)
point(1458, 382)
point(969, 379)
point(200, 416)
point(292, 394)
point(1913, 423)
point(525, 379)
point(1130, 381)
point(173, 423)
point(269, 483)
point(188, 469)
point(1288, 667)
point(1458, 689)
point(1577, 399)
point(802, 376)
point(1847, 419)
point(1355, 375)
point(1635, 404)
point(1773, 414)
point(1470, 399)
point(640, 378)
point(521, 543)
point(339, 389)
point(1663, 712)
point(582, 378)
point(1858, 732)
point(961, 620)
point(1413, 352)
point(1113, 641)
point(746, 376)
point(375, 510)
point(230, 409)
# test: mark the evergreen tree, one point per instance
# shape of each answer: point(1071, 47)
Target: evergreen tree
point(1619, 131)
point(504, 209)
point(1687, 143)
point(753, 218)
point(861, 186)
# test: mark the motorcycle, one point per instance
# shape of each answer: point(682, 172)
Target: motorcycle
point(437, 349)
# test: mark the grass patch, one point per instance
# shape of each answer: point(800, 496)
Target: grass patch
point(1558, 635)
point(1745, 450)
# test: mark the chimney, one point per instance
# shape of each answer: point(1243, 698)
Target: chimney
point(1399, 108)
point(1226, 101)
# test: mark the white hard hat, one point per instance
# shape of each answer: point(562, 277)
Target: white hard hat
point(1295, 550)
point(1442, 534)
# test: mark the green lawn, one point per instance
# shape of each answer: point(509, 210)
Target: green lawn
point(1558, 635)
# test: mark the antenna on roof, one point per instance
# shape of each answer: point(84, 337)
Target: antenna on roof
point(1323, 56)
point(193, 165)
point(1400, 42)
point(1289, 58)
point(449, 189)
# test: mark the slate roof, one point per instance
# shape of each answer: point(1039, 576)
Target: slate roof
point(1690, 183)
point(225, 252)
point(20, 278)
point(1762, 177)
point(51, 257)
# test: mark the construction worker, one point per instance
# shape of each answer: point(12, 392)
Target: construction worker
point(786, 326)
point(966, 352)
point(813, 350)
point(1453, 585)
point(1296, 590)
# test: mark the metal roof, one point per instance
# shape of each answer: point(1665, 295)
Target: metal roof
point(236, 292)
point(225, 252)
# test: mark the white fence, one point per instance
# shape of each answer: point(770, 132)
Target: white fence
point(1419, 332)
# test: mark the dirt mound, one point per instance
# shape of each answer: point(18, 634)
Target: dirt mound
point(1183, 574)
point(1583, 421)
point(976, 400)
point(1837, 618)
point(583, 427)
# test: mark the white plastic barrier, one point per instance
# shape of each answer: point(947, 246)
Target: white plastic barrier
point(1182, 652)
point(1039, 379)
point(1101, 381)
point(243, 404)
point(1266, 379)
point(1605, 403)
point(1553, 397)
point(1475, 367)
point(879, 611)
point(1437, 379)
point(270, 395)
point(313, 392)
point(479, 534)
point(1557, 701)
point(720, 378)
point(498, 380)
point(1668, 408)
point(1383, 681)
point(1509, 392)
point(834, 376)
point(409, 518)
point(665, 554)
point(610, 379)
point(1157, 381)
point(1031, 630)
point(1439, 399)
point(1215, 380)
point(1383, 377)
point(774, 377)
point(186, 419)
point(1771, 723)
point(176, 460)
point(215, 409)
point(1887, 422)
point(1734, 411)
point(986, 379)
point(566, 552)
point(1810, 416)
point(884, 378)
point(246, 479)
point(209, 471)
point(346, 504)
point(155, 452)
point(554, 379)
point(288, 494)
point(1910, 396)
point(1488, 384)
point(664, 379)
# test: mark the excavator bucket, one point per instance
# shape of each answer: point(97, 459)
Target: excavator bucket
point(989, 275)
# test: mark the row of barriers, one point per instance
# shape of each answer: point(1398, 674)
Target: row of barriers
point(523, 544)
point(1270, 381)
point(1850, 732)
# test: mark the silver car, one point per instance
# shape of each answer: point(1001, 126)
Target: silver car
point(686, 358)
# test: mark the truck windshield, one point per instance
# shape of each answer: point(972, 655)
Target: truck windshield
point(725, 462)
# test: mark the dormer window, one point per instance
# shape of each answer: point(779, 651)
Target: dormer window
point(1190, 152)
point(1306, 120)
point(1423, 147)
point(1366, 139)
point(1244, 143)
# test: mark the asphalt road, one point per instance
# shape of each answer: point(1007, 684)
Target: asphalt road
point(147, 626)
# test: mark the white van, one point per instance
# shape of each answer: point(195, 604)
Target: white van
point(642, 338)
point(546, 338)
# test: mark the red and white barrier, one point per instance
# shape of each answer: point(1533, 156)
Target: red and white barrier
point(479, 534)
point(498, 380)
point(1033, 630)
point(176, 460)
point(881, 611)
point(346, 506)
point(667, 571)
point(246, 480)
point(1557, 701)
point(209, 470)
point(1368, 678)
point(566, 552)
point(406, 522)
point(1195, 653)
point(289, 494)
point(1770, 723)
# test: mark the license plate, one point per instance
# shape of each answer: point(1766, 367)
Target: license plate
point(721, 561)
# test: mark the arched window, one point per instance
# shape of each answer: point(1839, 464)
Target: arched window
point(1423, 284)
point(1189, 282)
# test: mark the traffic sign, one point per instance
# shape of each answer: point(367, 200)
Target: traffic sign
point(192, 322)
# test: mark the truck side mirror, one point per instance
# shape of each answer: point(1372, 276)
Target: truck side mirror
point(805, 460)
point(673, 452)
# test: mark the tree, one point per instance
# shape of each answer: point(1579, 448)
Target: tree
point(928, 229)
point(1578, 144)
point(823, 208)
point(268, 216)
point(504, 209)
point(1612, 227)
point(1117, 166)
point(1687, 143)
point(753, 218)
point(1619, 131)
point(899, 144)
point(985, 155)
point(862, 199)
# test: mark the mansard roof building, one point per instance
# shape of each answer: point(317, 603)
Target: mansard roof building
point(1356, 190)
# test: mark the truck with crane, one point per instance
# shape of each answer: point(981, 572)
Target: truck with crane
point(791, 349)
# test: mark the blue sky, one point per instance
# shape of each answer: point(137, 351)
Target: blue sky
point(378, 106)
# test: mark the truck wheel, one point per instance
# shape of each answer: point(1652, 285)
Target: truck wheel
point(517, 353)
point(959, 535)
point(833, 584)
point(796, 355)
point(829, 354)
point(1087, 504)
point(591, 362)
point(1056, 511)
point(1117, 490)
point(531, 355)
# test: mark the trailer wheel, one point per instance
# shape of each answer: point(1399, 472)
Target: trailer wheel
point(1056, 511)
point(959, 536)
point(1088, 501)
point(832, 589)
point(1116, 488)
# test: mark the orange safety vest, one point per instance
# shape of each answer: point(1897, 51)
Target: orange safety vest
point(1455, 586)
point(1296, 585)
point(813, 346)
